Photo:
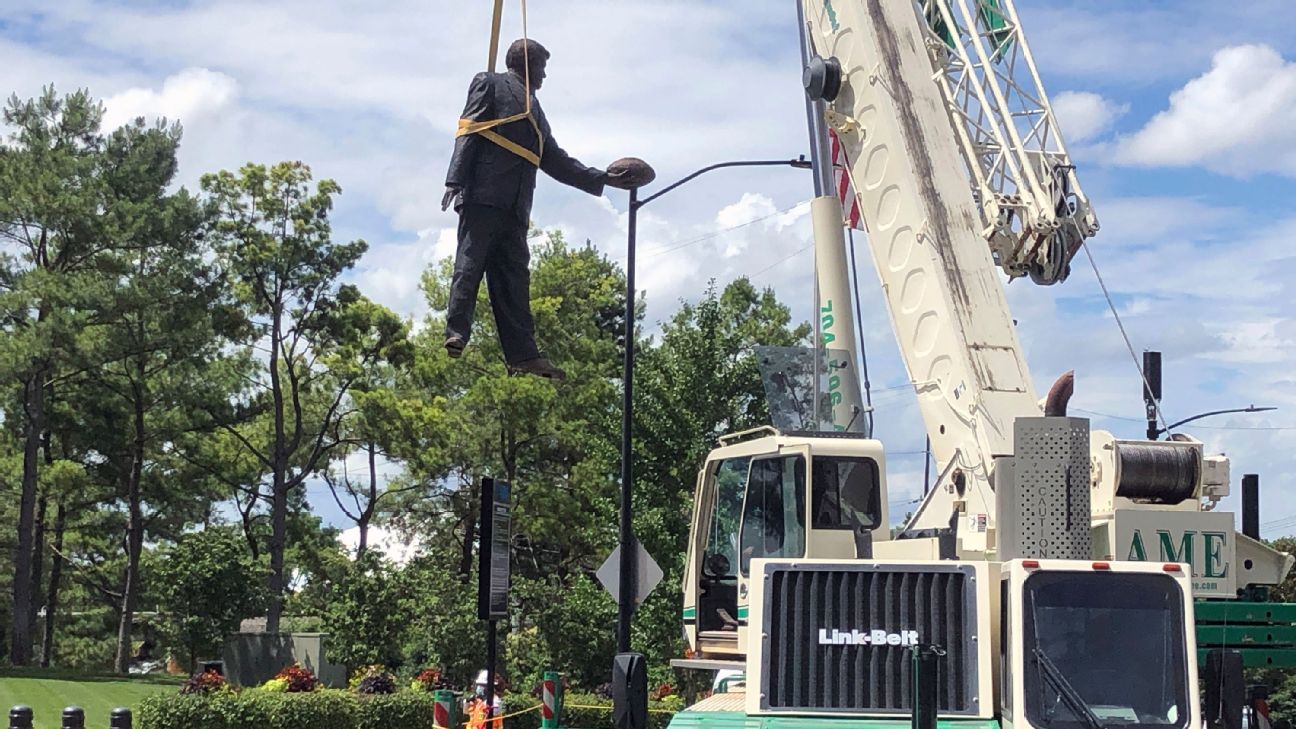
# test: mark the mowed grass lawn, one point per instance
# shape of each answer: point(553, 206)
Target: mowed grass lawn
point(48, 692)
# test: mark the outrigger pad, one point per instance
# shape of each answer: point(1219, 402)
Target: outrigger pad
point(631, 172)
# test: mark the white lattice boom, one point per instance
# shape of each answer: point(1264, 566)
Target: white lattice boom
point(1033, 212)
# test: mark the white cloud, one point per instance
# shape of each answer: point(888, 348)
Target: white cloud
point(394, 545)
point(752, 206)
point(390, 272)
point(189, 95)
point(1235, 119)
point(1084, 115)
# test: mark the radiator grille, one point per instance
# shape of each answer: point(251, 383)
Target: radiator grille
point(802, 674)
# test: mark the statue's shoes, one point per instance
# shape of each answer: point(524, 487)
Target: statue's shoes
point(539, 367)
point(454, 347)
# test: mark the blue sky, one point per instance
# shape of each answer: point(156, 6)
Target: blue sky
point(1180, 113)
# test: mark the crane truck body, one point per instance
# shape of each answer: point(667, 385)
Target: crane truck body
point(1052, 572)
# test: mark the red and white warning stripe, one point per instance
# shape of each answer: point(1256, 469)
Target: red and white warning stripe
point(842, 179)
point(1262, 714)
point(549, 700)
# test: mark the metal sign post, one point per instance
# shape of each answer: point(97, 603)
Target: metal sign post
point(494, 537)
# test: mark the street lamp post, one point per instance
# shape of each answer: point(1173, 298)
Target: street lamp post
point(1152, 400)
point(1199, 416)
point(627, 578)
point(629, 679)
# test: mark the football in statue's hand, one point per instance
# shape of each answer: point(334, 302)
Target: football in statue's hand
point(629, 173)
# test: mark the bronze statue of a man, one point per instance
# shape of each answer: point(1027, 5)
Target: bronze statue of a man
point(503, 139)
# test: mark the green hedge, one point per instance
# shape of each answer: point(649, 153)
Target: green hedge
point(396, 711)
point(326, 709)
point(336, 709)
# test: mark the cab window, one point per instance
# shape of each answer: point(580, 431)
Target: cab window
point(773, 522)
point(726, 511)
point(846, 494)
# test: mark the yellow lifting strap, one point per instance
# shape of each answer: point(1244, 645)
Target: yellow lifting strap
point(486, 128)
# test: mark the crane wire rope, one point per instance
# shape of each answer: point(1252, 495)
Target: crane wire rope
point(859, 323)
point(1124, 335)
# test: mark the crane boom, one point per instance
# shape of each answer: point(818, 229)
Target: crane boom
point(940, 281)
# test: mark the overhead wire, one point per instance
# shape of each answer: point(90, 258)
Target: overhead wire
point(1284, 522)
point(670, 248)
point(781, 261)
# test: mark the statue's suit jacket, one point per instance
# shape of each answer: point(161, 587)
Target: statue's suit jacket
point(491, 175)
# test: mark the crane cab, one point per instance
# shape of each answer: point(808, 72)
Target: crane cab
point(768, 494)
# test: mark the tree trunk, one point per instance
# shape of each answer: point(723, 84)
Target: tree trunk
point(363, 524)
point(38, 544)
point(38, 561)
point(20, 639)
point(245, 519)
point(278, 539)
point(470, 535)
point(279, 464)
point(55, 577)
point(134, 538)
point(366, 515)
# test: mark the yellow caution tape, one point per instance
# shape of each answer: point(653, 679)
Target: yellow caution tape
point(608, 707)
point(500, 718)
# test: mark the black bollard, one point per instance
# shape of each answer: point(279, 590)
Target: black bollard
point(925, 665)
point(120, 719)
point(73, 718)
point(20, 717)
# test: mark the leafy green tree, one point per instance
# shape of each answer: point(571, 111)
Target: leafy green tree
point(273, 237)
point(550, 441)
point(206, 584)
point(156, 359)
point(365, 616)
point(99, 249)
point(54, 208)
point(390, 418)
point(442, 628)
point(559, 446)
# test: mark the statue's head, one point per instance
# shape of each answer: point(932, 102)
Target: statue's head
point(523, 51)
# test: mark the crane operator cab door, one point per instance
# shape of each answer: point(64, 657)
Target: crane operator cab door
point(764, 500)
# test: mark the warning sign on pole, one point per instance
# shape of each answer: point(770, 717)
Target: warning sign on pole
point(493, 554)
point(647, 573)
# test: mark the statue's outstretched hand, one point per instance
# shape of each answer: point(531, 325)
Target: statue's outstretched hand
point(449, 197)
